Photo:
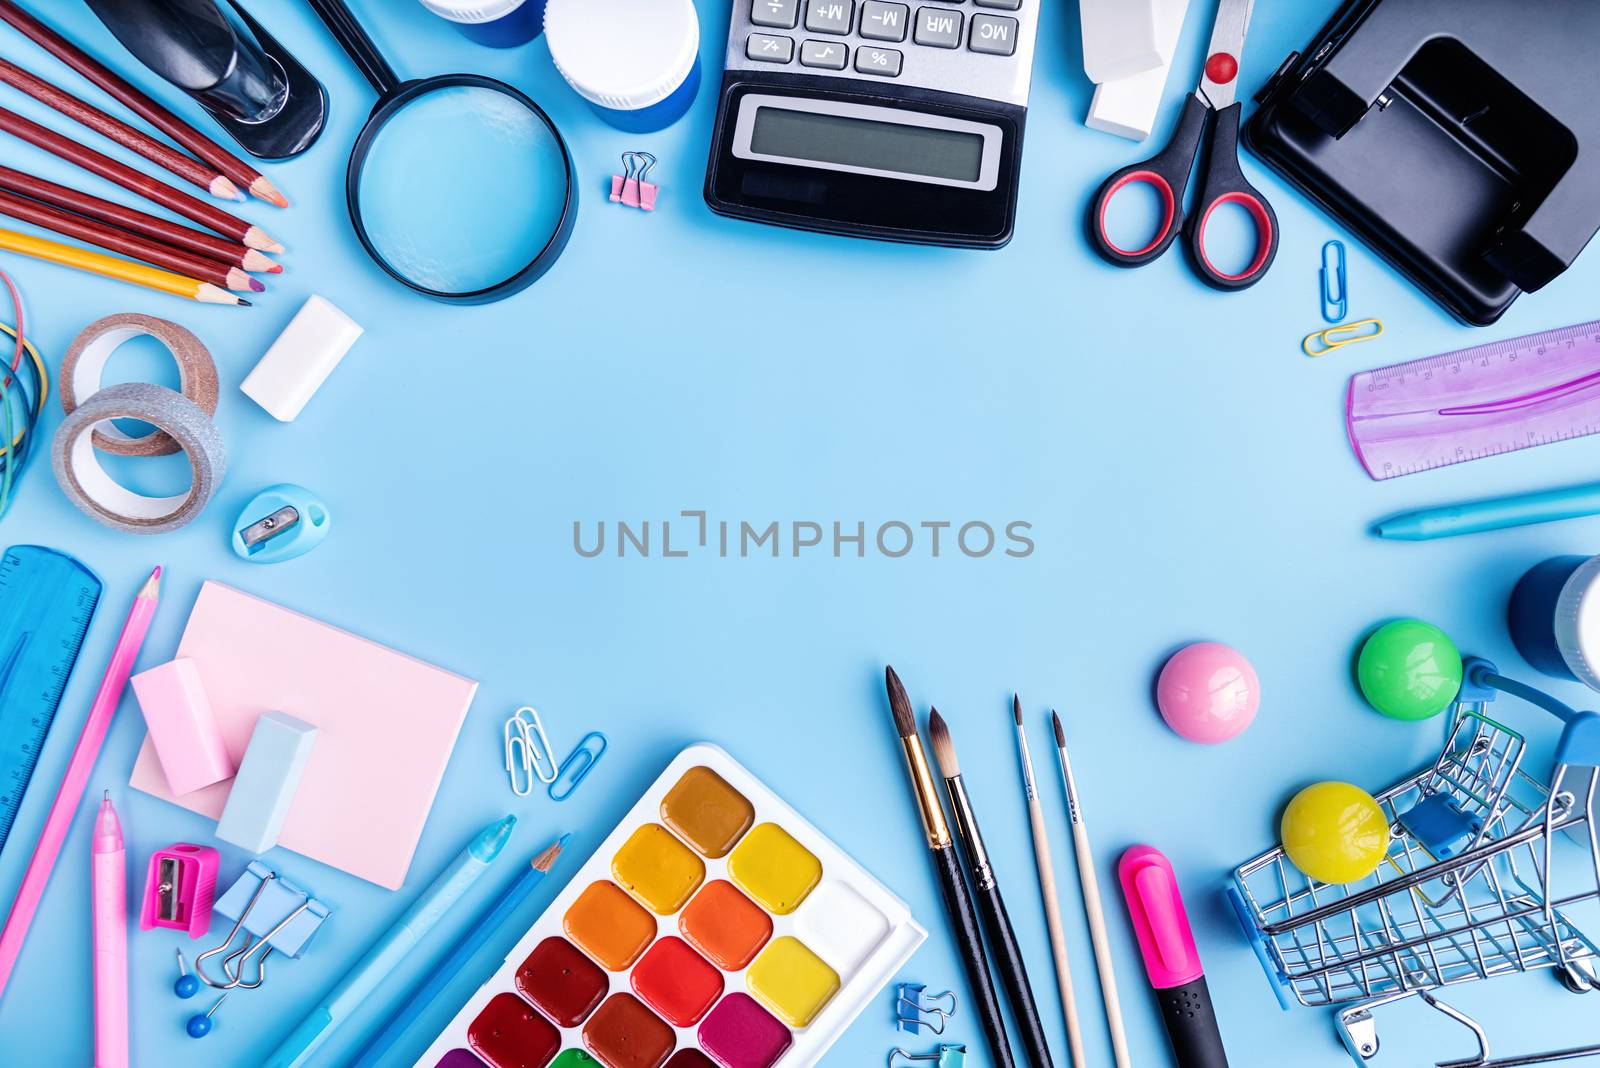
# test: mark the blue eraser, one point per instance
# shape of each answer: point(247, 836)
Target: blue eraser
point(263, 789)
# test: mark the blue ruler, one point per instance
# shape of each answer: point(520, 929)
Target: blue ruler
point(46, 602)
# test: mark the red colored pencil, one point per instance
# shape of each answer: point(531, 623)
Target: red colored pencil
point(138, 222)
point(114, 128)
point(206, 149)
point(150, 188)
point(163, 256)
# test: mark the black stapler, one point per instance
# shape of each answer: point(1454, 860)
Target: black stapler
point(1461, 140)
point(217, 53)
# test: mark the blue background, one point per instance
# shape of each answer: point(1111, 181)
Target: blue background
point(1183, 466)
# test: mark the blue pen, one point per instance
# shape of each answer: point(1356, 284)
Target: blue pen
point(439, 977)
point(393, 947)
point(1545, 506)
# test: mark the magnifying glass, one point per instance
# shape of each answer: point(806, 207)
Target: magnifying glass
point(459, 185)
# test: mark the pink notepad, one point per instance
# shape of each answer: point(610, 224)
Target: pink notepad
point(388, 723)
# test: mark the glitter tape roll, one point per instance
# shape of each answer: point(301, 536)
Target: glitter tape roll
point(84, 367)
point(97, 494)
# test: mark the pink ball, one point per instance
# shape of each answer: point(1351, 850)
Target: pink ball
point(1208, 692)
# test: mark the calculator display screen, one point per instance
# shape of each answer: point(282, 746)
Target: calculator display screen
point(848, 141)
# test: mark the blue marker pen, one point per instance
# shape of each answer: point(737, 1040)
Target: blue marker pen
point(392, 948)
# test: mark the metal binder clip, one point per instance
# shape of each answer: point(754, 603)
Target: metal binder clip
point(1337, 337)
point(915, 1010)
point(630, 188)
point(274, 914)
point(528, 751)
point(946, 1056)
point(1335, 283)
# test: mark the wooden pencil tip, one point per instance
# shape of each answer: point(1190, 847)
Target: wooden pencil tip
point(944, 750)
point(224, 189)
point(257, 238)
point(152, 585)
point(256, 286)
point(1061, 736)
point(244, 303)
point(265, 190)
point(546, 860)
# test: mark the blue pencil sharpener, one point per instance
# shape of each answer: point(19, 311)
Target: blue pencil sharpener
point(280, 523)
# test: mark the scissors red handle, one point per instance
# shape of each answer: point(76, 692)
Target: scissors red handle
point(1167, 172)
point(1222, 182)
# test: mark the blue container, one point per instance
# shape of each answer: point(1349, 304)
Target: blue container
point(1554, 618)
point(636, 62)
point(496, 23)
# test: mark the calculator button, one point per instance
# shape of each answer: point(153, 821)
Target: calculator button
point(993, 35)
point(779, 13)
point(939, 27)
point(768, 48)
point(881, 61)
point(828, 54)
point(1004, 5)
point(829, 16)
point(884, 22)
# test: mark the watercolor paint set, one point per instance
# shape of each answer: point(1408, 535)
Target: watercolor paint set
point(713, 927)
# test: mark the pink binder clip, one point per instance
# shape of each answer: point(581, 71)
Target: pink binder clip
point(630, 188)
point(179, 889)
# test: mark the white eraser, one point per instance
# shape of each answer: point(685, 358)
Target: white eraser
point(1119, 38)
point(1128, 107)
point(302, 358)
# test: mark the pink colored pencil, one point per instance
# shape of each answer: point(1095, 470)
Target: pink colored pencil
point(73, 783)
point(109, 867)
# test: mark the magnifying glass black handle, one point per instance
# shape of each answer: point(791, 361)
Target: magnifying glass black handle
point(356, 44)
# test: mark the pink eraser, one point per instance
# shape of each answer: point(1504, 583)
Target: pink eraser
point(180, 888)
point(182, 727)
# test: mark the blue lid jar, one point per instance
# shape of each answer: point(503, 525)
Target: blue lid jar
point(496, 23)
point(637, 62)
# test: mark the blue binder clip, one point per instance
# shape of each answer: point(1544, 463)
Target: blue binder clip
point(280, 523)
point(946, 1056)
point(915, 1010)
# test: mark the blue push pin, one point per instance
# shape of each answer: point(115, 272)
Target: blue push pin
point(199, 1025)
point(187, 985)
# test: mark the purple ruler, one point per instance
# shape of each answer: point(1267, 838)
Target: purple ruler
point(1476, 402)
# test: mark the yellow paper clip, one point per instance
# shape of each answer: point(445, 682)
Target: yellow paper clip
point(1337, 337)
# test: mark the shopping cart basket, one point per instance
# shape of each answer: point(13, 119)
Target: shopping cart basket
point(1485, 865)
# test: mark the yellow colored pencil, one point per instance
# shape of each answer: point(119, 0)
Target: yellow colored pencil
point(138, 274)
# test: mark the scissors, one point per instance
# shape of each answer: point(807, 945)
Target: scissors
point(1213, 108)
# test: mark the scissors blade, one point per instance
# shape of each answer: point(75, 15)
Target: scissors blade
point(1219, 85)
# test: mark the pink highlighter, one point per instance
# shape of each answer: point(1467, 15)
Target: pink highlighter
point(1170, 958)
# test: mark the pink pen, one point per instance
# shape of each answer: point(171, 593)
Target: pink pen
point(1170, 957)
point(76, 779)
point(110, 940)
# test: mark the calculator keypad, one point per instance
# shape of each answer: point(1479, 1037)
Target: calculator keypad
point(953, 47)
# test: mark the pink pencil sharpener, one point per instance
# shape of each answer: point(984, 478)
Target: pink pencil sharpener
point(179, 889)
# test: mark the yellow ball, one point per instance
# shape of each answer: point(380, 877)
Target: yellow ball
point(1335, 832)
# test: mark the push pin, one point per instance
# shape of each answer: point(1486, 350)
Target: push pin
point(187, 985)
point(280, 523)
point(199, 1025)
point(630, 188)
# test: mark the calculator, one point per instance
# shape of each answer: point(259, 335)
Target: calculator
point(872, 118)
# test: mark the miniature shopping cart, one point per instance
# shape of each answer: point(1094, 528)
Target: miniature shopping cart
point(1487, 873)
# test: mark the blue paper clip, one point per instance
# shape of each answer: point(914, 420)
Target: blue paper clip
point(915, 1010)
point(280, 523)
point(946, 1056)
point(577, 766)
point(1335, 284)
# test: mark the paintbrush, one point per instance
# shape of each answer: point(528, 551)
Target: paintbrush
point(957, 900)
point(1013, 974)
point(1047, 890)
point(1091, 903)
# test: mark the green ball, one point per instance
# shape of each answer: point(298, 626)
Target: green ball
point(1410, 670)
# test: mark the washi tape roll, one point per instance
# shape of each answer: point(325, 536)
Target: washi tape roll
point(97, 494)
point(84, 368)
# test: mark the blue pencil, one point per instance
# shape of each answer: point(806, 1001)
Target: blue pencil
point(438, 978)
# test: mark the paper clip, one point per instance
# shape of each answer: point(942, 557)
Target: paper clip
point(630, 188)
point(915, 1010)
point(1332, 338)
point(946, 1056)
point(528, 751)
point(577, 766)
point(1335, 284)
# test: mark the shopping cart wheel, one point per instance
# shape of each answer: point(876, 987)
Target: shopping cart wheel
point(1359, 1032)
point(1579, 976)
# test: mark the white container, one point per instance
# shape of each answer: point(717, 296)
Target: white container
point(637, 62)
